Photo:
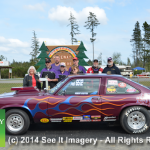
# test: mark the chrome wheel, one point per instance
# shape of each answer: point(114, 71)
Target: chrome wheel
point(136, 120)
point(15, 122)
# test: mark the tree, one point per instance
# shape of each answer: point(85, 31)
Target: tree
point(116, 58)
point(81, 55)
point(146, 43)
point(100, 59)
point(42, 57)
point(128, 62)
point(2, 57)
point(137, 44)
point(35, 49)
point(91, 24)
point(74, 28)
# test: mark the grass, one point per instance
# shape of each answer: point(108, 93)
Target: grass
point(6, 87)
point(145, 83)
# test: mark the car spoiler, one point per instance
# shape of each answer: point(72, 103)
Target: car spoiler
point(25, 89)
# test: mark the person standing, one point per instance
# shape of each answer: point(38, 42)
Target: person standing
point(49, 73)
point(111, 67)
point(31, 79)
point(95, 68)
point(76, 63)
point(56, 65)
point(62, 73)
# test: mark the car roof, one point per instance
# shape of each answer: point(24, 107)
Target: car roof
point(94, 75)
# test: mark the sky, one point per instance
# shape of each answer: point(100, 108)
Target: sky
point(49, 20)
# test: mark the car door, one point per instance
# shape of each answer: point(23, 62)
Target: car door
point(78, 97)
point(117, 94)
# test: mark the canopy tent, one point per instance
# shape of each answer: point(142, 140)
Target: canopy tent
point(138, 68)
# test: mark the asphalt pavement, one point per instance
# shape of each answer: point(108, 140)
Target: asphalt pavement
point(107, 136)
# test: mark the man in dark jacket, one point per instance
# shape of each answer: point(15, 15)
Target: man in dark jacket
point(111, 68)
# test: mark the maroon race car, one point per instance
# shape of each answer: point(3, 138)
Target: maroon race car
point(81, 98)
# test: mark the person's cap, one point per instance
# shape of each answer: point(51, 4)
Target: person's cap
point(48, 60)
point(109, 58)
point(95, 60)
point(75, 58)
point(63, 64)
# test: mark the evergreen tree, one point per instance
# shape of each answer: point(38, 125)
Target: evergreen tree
point(35, 49)
point(91, 24)
point(128, 62)
point(2, 57)
point(146, 43)
point(42, 57)
point(74, 28)
point(137, 44)
point(81, 55)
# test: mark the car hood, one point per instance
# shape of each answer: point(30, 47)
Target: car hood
point(10, 94)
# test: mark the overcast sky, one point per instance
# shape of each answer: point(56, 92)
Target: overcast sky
point(49, 19)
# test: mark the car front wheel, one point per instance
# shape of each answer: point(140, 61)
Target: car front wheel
point(135, 119)
point(17, 121)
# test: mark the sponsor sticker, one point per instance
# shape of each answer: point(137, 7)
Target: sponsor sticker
point(2, 127)
point(95, 117)
point(131, 90)
point(79, 82)
point(78, 118)
point(86, 117)
point(55, 119)
point(44, 120)
point(122, 85)
point(112, 82)
point(67, 118)
point(96, 120)
point(85, 120)
point(111, 89)
point(112, 118)
point(81, 93)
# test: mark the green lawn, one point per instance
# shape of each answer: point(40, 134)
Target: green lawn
point(6, 87)
point(146, 83)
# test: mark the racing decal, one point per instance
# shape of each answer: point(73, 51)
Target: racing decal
point(144, 98)
point(78, 118)
point(131, 90)
point(122, 85)
point(112, 118)
point(81, 93)
point(85, 120)
point(95, 117)
point(53, 119)
point(86, 117)
point(79, 82)
point(96, 120)
point(111, 89)
point(67, 118)
point(112, 82)
point(44, 120)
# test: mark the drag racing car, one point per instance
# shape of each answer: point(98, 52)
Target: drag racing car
point(81, 98)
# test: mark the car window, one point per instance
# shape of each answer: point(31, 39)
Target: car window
point(119, 87)
point(88, 86)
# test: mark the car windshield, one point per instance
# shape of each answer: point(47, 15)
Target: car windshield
point(51, 91)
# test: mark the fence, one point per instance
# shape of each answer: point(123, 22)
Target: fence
point(7, 84)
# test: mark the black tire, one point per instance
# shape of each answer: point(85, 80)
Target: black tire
point(10, 129)
point(138, 110)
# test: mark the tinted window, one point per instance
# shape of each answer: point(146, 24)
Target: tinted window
point(119, 87)
point(81, 87)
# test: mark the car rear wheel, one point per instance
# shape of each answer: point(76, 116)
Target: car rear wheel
point(135, 119)
point(17, 121)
